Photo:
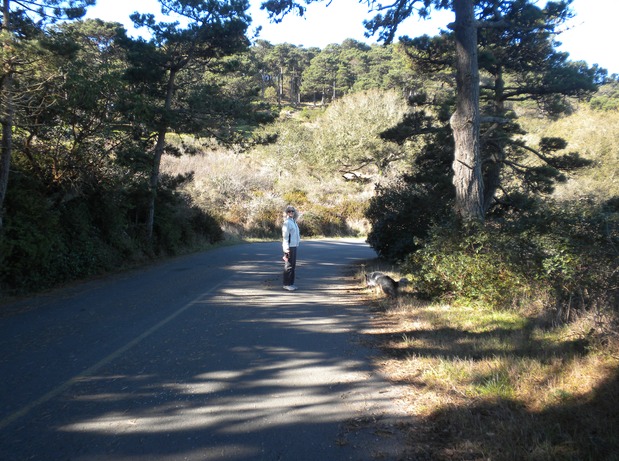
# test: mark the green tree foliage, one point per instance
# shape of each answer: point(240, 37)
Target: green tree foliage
point(347, 136)
point(402, 213)
point(353, 66)
point(517, 64)
point(289, 75)
point(286, 62)
point(383, 67)
point(214, 29)
point(70, 110)
point(279, 70)
point(230, 99)
point(322, 79)
point(22, 22)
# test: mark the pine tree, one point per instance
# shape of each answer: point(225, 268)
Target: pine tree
point(23, 21)
point(213, 30)
point(471, 20)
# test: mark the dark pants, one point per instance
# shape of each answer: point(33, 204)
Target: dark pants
point(289, 267)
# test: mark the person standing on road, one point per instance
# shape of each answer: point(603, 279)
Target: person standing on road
point(291, 238)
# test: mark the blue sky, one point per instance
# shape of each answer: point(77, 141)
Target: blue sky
point(589, 37)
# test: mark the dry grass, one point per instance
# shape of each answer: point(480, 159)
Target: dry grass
point(593, 134)
point(246, 193)
point(488, 385)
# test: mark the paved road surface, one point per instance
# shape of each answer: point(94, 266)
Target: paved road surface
point(204, 357)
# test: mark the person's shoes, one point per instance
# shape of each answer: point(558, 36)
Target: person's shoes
point(290, 287)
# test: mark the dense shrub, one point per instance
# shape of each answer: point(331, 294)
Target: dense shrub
point(474, 264)
point(607, 98)
point(400, 215)
point(573, 248)
point(181, 226)
point(46, 242)
point(31, 244)
point(566, 254)
point(178, 224)
point(322, 221)
point(403, 211)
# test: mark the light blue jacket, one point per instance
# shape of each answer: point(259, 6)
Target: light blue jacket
point(290, 234)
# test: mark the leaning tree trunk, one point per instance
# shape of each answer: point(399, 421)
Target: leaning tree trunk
point(159, 148)
point(465, 120)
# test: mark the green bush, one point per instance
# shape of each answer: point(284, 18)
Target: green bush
point(31, 245)
point(403, 212)
point(323, 221)
point(467, 265)
point(607, 98)
point(401, 215)
point(565, 255)
point(52, 239)
point(44, 244)
point(573, 249)
point(178, 224)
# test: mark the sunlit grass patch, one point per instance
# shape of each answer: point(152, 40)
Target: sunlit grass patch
point(446, 373)
point(495, 384)
point(501, 385)
point(475, 319)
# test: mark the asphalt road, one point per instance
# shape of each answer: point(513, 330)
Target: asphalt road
point(204, 357)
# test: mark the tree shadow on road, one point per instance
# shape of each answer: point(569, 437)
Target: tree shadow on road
point(247, 373)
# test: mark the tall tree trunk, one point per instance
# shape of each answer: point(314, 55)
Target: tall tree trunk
point(464, 122)
point(494, 164)
point(280, 87)
point(295, 87)
point(159, 148)
point(6, 110)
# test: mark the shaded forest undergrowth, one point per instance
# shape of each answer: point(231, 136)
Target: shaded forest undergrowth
point(494, 384)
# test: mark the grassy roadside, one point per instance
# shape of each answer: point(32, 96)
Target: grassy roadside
point(498, 385)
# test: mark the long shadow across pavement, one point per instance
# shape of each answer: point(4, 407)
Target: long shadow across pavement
point(202, 358)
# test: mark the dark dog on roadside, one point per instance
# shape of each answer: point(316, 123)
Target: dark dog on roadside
point(384, 282)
